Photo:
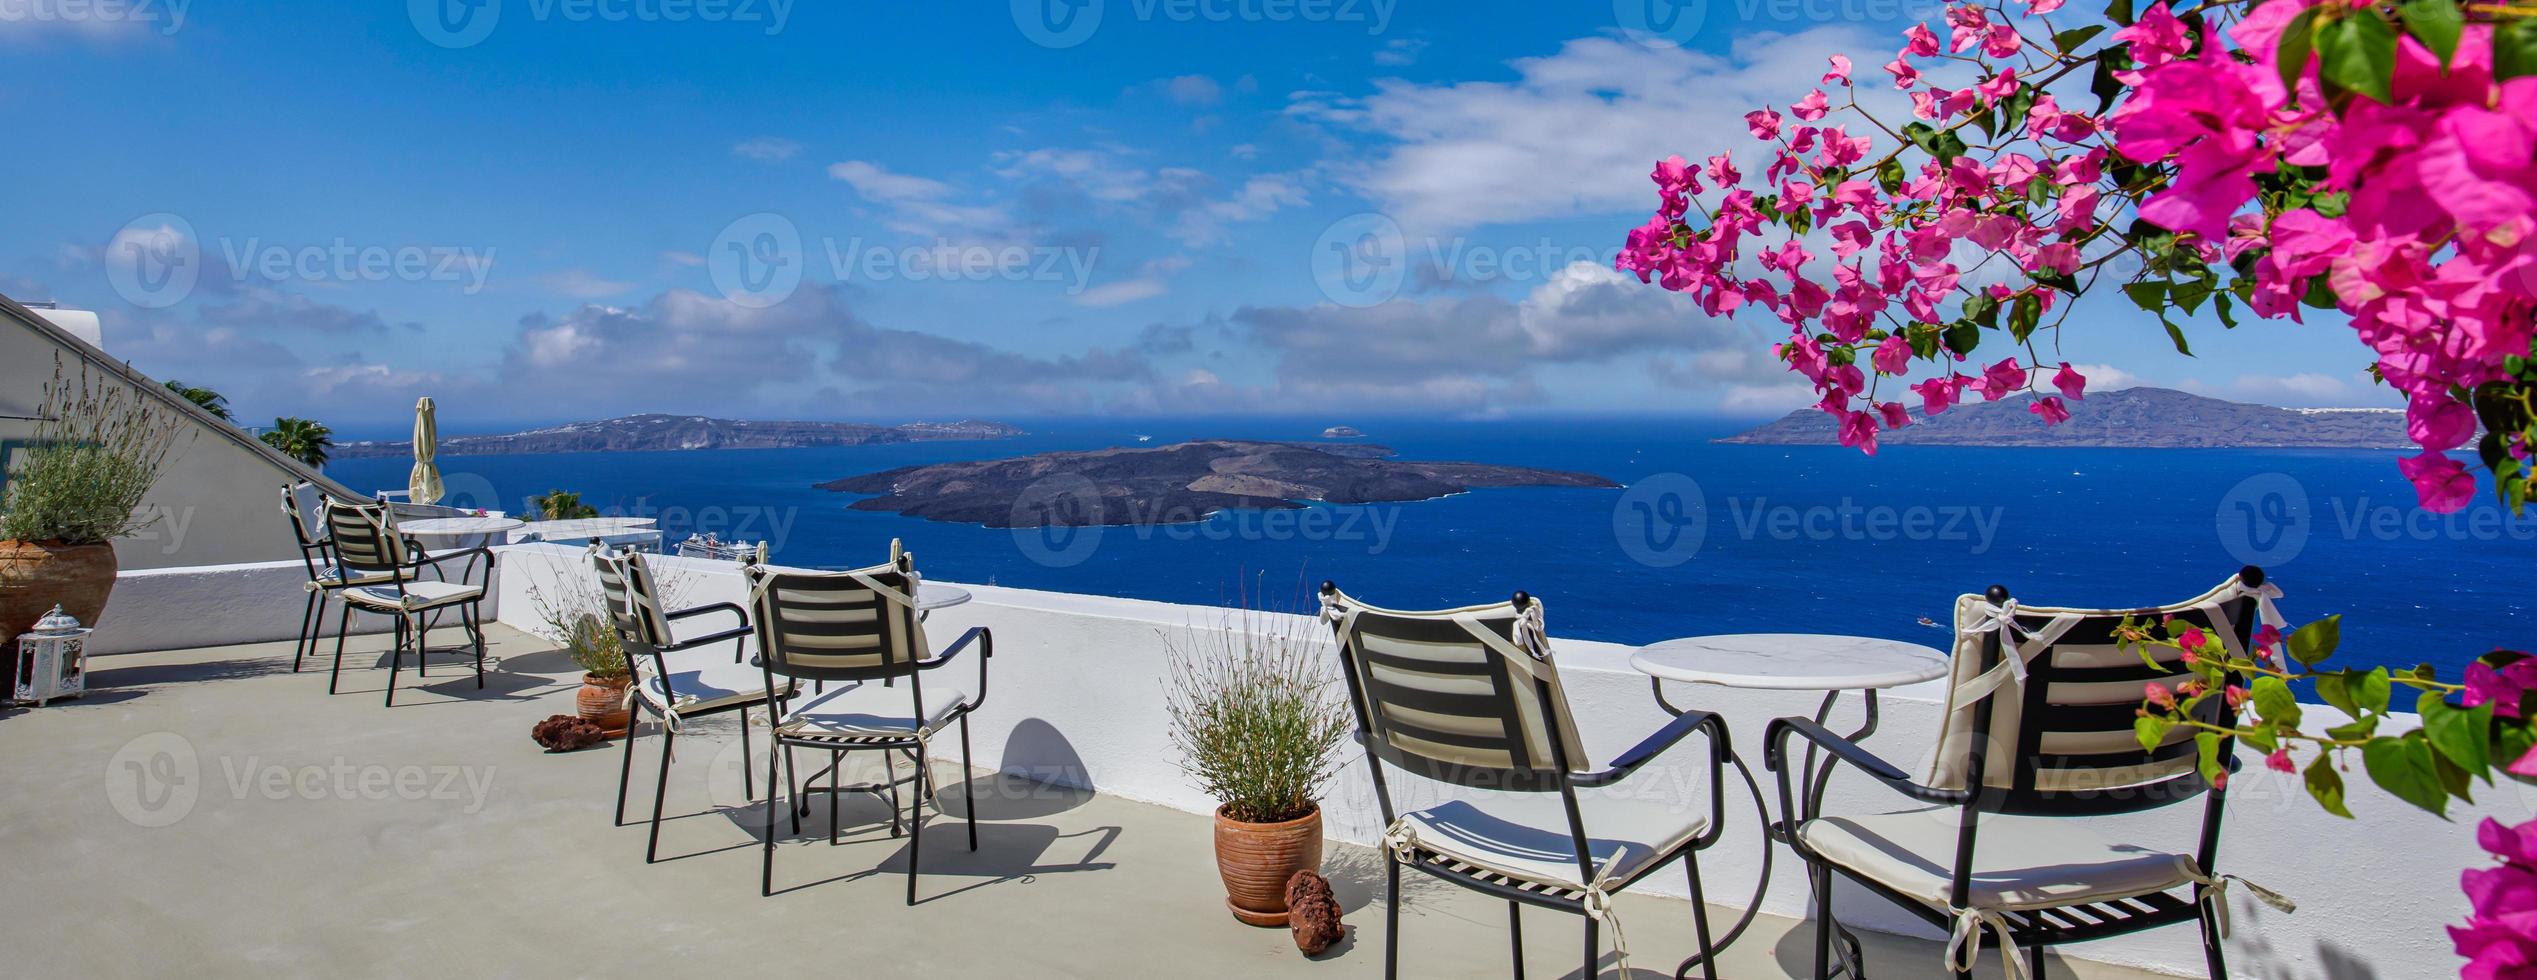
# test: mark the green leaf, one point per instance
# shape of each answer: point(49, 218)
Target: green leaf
point(2372, 690)
point(2176, 335)
point(2327, 785)
point(1944, 145)
point(2151, 730)
point(2513, 740)
point(1963, 336)
point(1889, 175)
point(2404, 767)
point(2206, 748)
point(2220, 304)
point(2336, 689)
point(2515, 48)
point(2274, 702)
point(2464, 736)
point(2070, 40)
point(2358, 54)
point(2119, 11)
point(1924, 340)
point(2024, 314)
point(2313, 643)
point(2149, 295)
point(1984, 309)
point(2298, 40)
point(2354, 731)
point(2189, 294)
point(2261, 738)
point(2437, 24)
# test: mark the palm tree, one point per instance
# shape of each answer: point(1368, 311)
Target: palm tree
point(300, 439)
point(210, 401)
point(560, 505)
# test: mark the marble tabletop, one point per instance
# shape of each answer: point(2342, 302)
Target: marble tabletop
point(442, 527)
point(931, 596)
point(1791, 661)
point(591, 527)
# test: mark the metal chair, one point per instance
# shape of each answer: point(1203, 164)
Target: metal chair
point(365, 543)
point(861, 629)
point(674, 689)
point(1472, 697)
point(2038, 738)
point(304, 508)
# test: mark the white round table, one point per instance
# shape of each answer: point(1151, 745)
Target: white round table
point(611, 531)
point(1790, 662)
point(933, 595)
point(460, 532)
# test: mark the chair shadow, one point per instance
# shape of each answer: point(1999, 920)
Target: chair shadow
point(1356, 880)
point(1006, 853)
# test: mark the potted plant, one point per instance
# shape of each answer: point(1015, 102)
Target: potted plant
point(1257, 713)
point(98, 448)
point(574, 613)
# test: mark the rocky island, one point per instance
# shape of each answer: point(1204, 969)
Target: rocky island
point(662, 433)
point(2138, 418)
point(1343, 432)
point(1175, 484)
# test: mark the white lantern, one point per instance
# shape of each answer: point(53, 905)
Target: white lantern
point(53, 659)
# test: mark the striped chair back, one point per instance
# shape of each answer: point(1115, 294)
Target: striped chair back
point(633, 597)
point(1469, 696)
point(2056, 736)
point(300, 502)
point(364, 538)
point(832, 626)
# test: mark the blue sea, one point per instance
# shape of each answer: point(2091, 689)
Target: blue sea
point(1706, 538)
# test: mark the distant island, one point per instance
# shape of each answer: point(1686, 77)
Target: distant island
point(664, 433)
point(1175, 484)
point(1342, 432)
point(2139, 418)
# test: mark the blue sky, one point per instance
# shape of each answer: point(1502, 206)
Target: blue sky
point(546, 209)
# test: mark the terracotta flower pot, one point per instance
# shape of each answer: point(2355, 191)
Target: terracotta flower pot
point(1256, 859)
point(602, 703)
point(36, 575)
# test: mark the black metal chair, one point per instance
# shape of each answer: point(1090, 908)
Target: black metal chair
point(305, 508)
point(2038, 738)
point(365, 543)
point(1471, 697)
point(861, 629)
point(675, 688)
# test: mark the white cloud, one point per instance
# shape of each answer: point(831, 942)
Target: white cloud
point(1400, 51)
point(2107, 377)
point(766, 149)
point(1121, 292)
point(582, 284)
point(1193, 90)
point(2309, 389)
point(1576, 132)
point(921, 205)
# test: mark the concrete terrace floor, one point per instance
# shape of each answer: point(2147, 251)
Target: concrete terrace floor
point(210, 812)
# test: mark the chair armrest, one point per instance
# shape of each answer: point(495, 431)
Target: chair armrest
point(730, 607)
point(1664, 738)
point(1775, 756)
point(690, 643)
point(423, 558)
point(985, 639)
point(732, 633)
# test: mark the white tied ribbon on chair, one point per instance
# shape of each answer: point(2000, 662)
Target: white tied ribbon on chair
point(1964, 943)
point(2265, 596)
point(1401, 840)
point(2215, 893)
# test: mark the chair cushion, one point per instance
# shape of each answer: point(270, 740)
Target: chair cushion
point(1526, 834)
point(418, 594)
point(705, 681)
point(2019, 862)
point(331, 577)
point(867, 708)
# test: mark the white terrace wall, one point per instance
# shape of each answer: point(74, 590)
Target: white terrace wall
point(1075, 696)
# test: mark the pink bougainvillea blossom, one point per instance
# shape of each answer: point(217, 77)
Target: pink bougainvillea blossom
point(2499, 940)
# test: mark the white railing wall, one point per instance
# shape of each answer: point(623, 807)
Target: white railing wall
point(1075, 697)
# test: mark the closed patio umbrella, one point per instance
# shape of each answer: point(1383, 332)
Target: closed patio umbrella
point(423, 485)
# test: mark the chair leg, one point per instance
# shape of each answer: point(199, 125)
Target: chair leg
point(476, 629)
point(766, 871)
point(792, 785)
point(915, 827)
point(309, 624)
point(1594, 952)
point(1823, 923)
point(2212, 953)
point(660, 794)
point(968, 783)
point(342, 626)
point(1700, 917)
point(745, 788)
point(1391, 916)
point(2035, 962)
point(837, 761)
point(396, 657)
point(625, 770)
point(1515, 934)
